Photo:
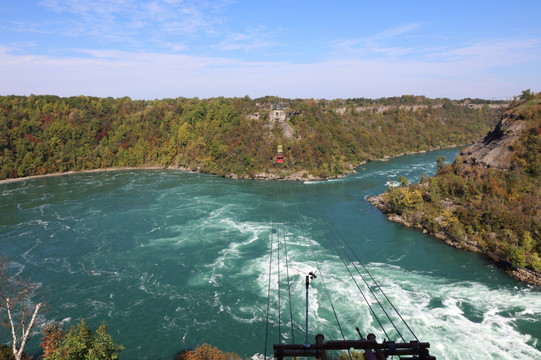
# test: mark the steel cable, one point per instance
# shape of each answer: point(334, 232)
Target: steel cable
point(268, 292)
point(375, 282)
point(319, 270)
point(289, 289)
point(366, 283)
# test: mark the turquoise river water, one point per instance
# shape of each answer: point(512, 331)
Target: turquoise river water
point(172, 260)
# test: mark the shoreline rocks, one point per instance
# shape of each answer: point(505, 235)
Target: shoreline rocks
point(517, 273)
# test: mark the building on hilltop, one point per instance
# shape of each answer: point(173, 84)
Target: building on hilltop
point(278, 115)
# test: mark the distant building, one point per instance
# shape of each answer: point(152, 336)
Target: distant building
point(278, 115)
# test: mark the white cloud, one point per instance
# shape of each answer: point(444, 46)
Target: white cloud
point(457, 73)
point(123, 20)
point(4, 49)
point(250, 40)
point(496, 52)
point(158, 25)
point(377, 44)
point(175, 47)
point(394, 32)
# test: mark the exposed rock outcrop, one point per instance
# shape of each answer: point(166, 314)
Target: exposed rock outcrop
point(496, 149)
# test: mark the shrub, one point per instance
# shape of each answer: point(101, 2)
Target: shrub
point(203, 352)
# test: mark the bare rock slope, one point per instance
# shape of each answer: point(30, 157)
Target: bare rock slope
point(496, 149)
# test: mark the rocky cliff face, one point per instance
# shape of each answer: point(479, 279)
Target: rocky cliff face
point(496, 149)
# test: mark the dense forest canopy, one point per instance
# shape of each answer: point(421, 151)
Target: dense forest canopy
point(226, 136)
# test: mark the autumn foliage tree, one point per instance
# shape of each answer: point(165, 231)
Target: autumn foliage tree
point(51, 339)
point(207, 352)
point(203, 352)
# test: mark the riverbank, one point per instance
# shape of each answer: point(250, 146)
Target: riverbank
point(301, 175)
point(278, 174)
point(24, 178)
point(294, 176)
point(520, 274)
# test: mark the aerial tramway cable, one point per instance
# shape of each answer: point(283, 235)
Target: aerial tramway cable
point(353, 278)
point(289, 289)
point(268, 289)
point(375, 282)
point(341, 241)
point(367, 286)
point(278, 227)
point(360, 290)
point(319, 271)
point(279, 292)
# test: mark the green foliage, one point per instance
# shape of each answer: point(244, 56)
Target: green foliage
point(440, 162)
point(49, 134)
point(81, 343)
point(536, 262)
point(403, 180)
point(526, 95)
point(517, 257)
point(404, 199)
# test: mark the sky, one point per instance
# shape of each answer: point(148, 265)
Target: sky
point(288, 48)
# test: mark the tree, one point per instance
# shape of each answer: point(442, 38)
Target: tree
point(526, 95)
point(18, 313)
point(403, 180)
point(440, 162)
point(51, 339)
point(80, 343)
point(203, 352)
point(517, 257)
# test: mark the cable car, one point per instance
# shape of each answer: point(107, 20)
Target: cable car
point(280, 156)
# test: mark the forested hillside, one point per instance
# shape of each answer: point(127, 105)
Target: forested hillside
point(489, 199)
point(228, 136)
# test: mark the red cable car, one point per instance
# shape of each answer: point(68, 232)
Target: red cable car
point(280, 157)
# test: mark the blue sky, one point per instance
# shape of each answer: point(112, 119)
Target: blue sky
point(295, 49)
